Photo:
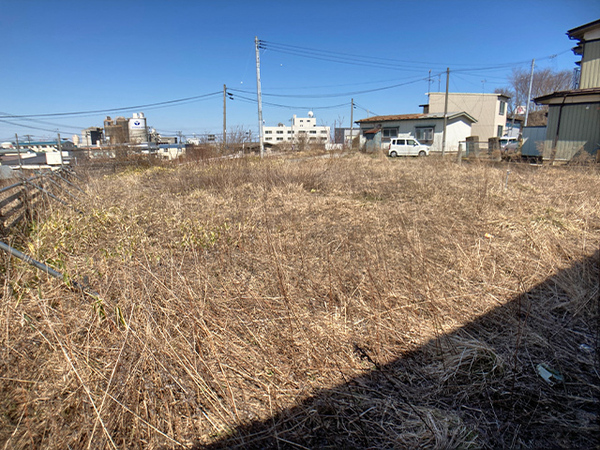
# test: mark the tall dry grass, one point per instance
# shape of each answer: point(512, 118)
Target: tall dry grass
point(230, 291)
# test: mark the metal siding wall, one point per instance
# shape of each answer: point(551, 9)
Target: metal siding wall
point(535, 139)
point(590, 66)
point(550, 131)
point(579, 130)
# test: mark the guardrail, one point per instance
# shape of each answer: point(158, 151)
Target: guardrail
point(25, 199)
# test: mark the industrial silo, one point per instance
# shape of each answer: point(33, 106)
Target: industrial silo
point(138, 131)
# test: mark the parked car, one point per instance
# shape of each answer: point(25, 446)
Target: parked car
point(509, 143)
point(406, 146)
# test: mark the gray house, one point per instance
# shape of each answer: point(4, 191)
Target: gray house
point(574, 116)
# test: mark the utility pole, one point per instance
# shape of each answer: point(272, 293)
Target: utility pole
point(529, 93)
point(224, 116)
point(351, 121)
point(445, 111)
point(60, 150)
point(259, 99)
point(19, 152)
point(429, 83)
point(180, 134)
point(28, 136)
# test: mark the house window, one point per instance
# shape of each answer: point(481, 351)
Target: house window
point(389, 133)
point(500, 130)
point(268, 132)
point(323, 131)
point(279, 132)
point(280, 139)
point(313, 132)
point(268, 139)
point(424, 135)
point(502, 108)
point(289, 131)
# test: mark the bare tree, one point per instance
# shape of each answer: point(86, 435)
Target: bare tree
point(545, 81)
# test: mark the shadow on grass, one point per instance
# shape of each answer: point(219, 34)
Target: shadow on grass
point(478, 387)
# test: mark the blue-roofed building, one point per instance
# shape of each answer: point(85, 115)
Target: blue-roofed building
point(46, 146)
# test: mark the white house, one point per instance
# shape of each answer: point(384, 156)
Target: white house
point(301, 128)
point(377, 131)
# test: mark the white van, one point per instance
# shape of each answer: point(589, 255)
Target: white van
point(509, 143)
point(406, 146)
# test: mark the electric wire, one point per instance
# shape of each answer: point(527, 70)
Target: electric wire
point(98, 111)
point(342, 94)
point(371, 61)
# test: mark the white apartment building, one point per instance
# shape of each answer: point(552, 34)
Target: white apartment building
point(301, 128)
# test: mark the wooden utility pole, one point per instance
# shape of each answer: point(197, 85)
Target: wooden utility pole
point(529, 93)
point(445, 111)
point(224, 116)
point(259, 99)
point(19, 152)
point(351, 121)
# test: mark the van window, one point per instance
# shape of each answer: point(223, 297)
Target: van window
point(401, 142)
point(410, 142)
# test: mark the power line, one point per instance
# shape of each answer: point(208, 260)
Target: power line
point(278, 105)
point(371, 61)
point(368, 111)
point(98, 111)
point(31, 127)
point(342, 94)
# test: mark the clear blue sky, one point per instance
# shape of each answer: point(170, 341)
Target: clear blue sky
point(69, 56)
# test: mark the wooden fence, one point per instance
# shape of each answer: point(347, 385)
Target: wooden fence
point(32, 196)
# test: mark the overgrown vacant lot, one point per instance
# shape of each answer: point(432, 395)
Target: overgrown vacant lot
point(323, 303)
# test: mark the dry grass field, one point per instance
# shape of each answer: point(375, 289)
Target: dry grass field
point(352, 302)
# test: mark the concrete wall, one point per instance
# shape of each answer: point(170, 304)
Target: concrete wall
point(485, 108)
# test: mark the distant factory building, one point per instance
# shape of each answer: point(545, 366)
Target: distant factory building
point(117, 131)
point(126, 131)
point(91, 137)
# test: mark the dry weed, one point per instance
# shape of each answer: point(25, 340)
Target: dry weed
point(234, 294)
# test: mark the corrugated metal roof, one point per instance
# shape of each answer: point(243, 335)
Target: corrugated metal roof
point(391, 118)
point(573, 93)
point(418, 116)
point(578, 32)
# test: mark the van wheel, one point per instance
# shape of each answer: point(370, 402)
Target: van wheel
point(393, 154)
point(422, 153)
